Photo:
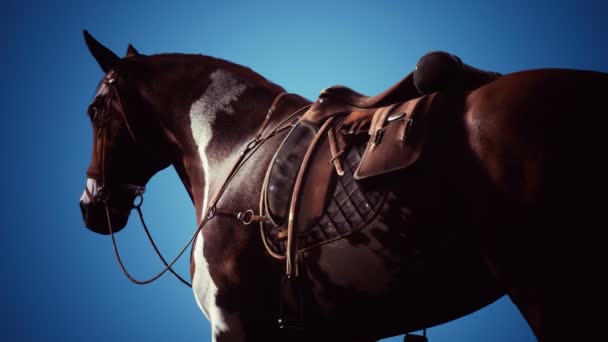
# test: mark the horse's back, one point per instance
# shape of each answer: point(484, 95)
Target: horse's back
point(539, 137)
point(542, 103)
point(533, 128)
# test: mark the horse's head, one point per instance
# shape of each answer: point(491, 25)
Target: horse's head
point(128, 143)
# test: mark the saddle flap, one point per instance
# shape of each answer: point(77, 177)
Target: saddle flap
point(317, 183)
point(283, 171)
point(396, 138)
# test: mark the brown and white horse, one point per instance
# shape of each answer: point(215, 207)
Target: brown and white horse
point(500, 201)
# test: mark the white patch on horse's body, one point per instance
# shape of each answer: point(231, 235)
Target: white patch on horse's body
point(92, 187)
point(205, 290)
point(223, 90)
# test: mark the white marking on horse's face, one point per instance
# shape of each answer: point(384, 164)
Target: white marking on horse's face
point(103, 90)
point(223, 90)
point(92, 186)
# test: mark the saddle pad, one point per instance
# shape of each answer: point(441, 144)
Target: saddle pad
point(284, 169)
point(351, 207)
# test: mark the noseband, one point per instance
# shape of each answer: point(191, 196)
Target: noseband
point(137, 191)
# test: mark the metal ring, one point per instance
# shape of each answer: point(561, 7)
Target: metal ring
point(210, 212)
point(246, 217)
point(252, 144)
point(138, 190)
point(137, 204)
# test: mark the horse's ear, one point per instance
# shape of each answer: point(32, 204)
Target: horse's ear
point(104, 56)
point(132, 51)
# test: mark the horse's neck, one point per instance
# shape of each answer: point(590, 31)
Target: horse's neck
point(217, 128)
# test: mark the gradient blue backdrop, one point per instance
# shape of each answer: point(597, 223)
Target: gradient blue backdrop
point(60, 281)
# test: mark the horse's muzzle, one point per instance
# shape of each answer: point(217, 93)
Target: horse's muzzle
point(94, 210)
point(95, 217)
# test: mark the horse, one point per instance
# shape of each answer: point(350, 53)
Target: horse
point(488, 208)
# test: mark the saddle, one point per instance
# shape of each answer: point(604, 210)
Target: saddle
point(315, 190)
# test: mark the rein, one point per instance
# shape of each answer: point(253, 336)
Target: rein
point(245, 217)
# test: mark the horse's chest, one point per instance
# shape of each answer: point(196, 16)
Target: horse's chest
point(204, 287)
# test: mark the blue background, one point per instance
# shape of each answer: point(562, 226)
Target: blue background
point(60, 281)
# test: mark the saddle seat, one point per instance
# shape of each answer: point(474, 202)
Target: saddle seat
point(435, 71)
point(400, 92)
point(340, 99)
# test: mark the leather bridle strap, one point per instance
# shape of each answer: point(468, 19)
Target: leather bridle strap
point(252, 146)
point(121, 107)
point(167, 266)
point(160, 255)
point(271, 110)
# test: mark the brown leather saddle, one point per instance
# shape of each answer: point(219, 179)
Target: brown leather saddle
point(315, 188)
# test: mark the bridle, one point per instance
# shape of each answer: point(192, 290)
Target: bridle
point(137, 191)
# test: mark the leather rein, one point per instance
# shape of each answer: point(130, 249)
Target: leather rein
point(137, 191)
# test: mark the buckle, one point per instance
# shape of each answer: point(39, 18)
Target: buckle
point(377, 137)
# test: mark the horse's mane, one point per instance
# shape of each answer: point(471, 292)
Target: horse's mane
point(191, 61)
